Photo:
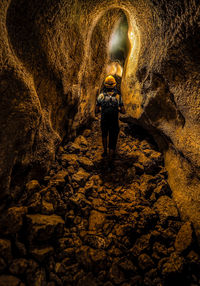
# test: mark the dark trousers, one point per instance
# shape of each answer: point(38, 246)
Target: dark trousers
point(110, 127)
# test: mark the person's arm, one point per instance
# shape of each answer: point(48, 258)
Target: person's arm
point(121, 105)
point(98, 104)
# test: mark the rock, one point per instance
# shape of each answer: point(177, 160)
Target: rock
point(141, 244)
point(136, 280)
point(41, 253)
point(3, 265)
point(73, 148)
point(127, 267)
point(166, 208)
point(79, 200)
point(46, 207)
point(44, 227)
point(39, 278)
point(147, 186)
point(19, 266)
point(184, 238)
point(83, 257)
point(99, 258)
point(69, 159)
point(80, 177)
point(193, 258)
point(96, 220)
point(53, 196)
point(116, 274)
point(162, 189)
point(55, 278)
point(52, 283)
point(87, 280)
point(152, 162)
point(139, 168)
point(5, 250)
point(12, 220)
point(159, 250)
point(59, 179)
point(86, 163)
point(148, 218)
point(173, 265)
point(95, 241)
point(87, 132)
point(8, 280)
point(130, 174)
point(145, 262)
point(32, 186)
point(81, 140)
point(60, 268)
point(35, 203)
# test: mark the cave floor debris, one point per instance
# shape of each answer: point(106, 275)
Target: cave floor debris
point(93, 221)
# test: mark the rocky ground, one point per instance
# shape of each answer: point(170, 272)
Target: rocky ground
point(93, 221)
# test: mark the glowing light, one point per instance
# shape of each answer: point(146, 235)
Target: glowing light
point(115, 69)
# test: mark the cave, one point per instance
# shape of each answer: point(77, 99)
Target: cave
point(68, 215)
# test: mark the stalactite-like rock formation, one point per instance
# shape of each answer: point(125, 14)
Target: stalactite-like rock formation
point(53, 59)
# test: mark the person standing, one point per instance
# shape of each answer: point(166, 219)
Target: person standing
point(110, 103)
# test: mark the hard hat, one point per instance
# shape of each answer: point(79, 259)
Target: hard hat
point(110, 82)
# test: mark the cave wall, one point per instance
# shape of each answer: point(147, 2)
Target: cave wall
point(53, 60)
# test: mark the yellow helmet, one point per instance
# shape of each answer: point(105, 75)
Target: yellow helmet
point(110, 82)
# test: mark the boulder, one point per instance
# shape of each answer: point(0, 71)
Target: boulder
point(9, 280)
point(127, 267)
point(81, 140)
point(166, 208)
point(3, 265)
point(89, 279)
point(145, 262)
point(184, 238)
point(32, 186)
point(44, 227)
point(159, 250)
point(162, 189)
point(95, 241)
point(41, 253)
point(116, 274)
point(59, 179)
point(72, 147)
point(12, 220)
point(38, 278)
point(5, 250)
point(96, 220)
point(174, 265)
point(87, 132)
point(69, 159)
point(86, 163)
point(19, 266)
point(99, 258)
point(79, 200)
point(35, 203)
point(142, 243)
point(47, 207)
point(80, 177)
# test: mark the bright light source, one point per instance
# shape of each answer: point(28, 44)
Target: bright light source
point(115, 69)
point(118, 44)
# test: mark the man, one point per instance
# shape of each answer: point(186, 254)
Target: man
point(110, 103)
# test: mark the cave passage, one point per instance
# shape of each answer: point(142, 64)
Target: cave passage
point(84, 220)
point(118, 44)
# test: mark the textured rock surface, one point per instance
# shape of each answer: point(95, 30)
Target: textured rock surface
point(105, 232)
point(53, 60)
